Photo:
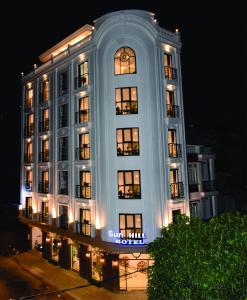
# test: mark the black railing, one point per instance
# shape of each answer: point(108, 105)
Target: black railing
point(29, 130)
point(172, 111)
point(28, 158)
point(177, 190)
point(83, 228)
point(193, 187)
point(127, 107)
point(175, 150)
point(43, 218)
point(63, 122)
point(131, 149)
point(28, 105)
point(81, 81)
point(170, 73)
point(44, 126)
point(82, 153)
point(28, 212)
point(63, 221)
point(63, 191)
point(28, 185)
point(44, 156)
point(44, 97)
point(44, 187)
point(129, 192)
point(63, 154)
point(83, 191)
point(208, 186)
point(82, 116)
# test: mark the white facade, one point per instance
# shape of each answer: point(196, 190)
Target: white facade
point(159, 178)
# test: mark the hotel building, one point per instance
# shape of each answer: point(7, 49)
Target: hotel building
point(103, 147)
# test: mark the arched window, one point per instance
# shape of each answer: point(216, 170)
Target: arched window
point(125, 61)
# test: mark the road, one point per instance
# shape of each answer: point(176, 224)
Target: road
point(16, 283)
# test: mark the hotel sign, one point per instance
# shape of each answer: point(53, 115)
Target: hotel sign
point(131, 239)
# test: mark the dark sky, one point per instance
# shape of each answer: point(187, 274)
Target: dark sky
point(212, 60)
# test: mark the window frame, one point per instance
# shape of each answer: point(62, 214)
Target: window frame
point(131, 142)
point(119, 58)
point(123, 195)
point(131, 111)
point(126, 228)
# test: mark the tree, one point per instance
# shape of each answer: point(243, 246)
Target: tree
point(197, 259)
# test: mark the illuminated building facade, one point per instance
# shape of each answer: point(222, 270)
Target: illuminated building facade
point(103, 148)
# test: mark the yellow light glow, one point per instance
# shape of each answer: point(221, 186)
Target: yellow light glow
point(45, 76)
point(168, 48)
point(176, 30)
point(28, 168)
point(170, 87)
point(44, 137)
point(29, 85)
point(174, 165)
point(20, 206)
point(82, 56)
point(83, 167)
point(87, 254)
point(114, 263)
point(83, 129)
point(44, 198)
point(54, 212)
point(97, 225)
point(71, 218)
point(82, 94)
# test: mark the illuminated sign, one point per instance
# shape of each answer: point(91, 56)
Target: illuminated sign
point(131, 239)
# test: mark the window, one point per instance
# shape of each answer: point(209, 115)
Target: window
point(63, 115)
point(129, 185)
point(28, 156)
point(172, 110)
point(128, 141)
point(82, 115)
point(63, 148)
point(44, 154)
point(45, 89)
point(174, 148)
point(28, 180)
point(83, 152)
point(125, 61)
point(63, 83)
point(130, 223)
point(29, 97)
point(84, 189)
point(28, 207)
point(192, 172)
point(126, 100)
point(44, 212)
point(170, 72)
point(193, 209)
point(82, 78)
point(63, 182)
point(44, 184)
point(85, 222)
point(175, 213)
point(177, 188)
point(29, 128)
point(44, 123)
point(63, 216)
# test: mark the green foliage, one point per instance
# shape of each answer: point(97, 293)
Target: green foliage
point(197, 259)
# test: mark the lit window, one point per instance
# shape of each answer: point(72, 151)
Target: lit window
point(44, 183)
point(29, 97)
point(44, 123)
point(83, 152)
point(126, 101)
point(85, 222)
point(128, 141)
point(45, 89)
point(82, 115)
point(28, 207)
point(125, 61)
point(177, 187)
point(129, 185)
point(82, 78)
point(172, 110)
point(63, 182)
point(84, 189)
point(130, 223)
point(170, 72)
point(174, 149)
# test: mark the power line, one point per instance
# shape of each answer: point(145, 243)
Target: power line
point(79, 286)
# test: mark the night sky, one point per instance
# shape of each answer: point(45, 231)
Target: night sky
point(212, 60)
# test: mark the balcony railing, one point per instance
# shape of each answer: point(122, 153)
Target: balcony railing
point(208, 186)
point(44, 156)
point(44, 187)
point(28, 105)
point(177, 190)
point(63, 122)
point(44, 126)
point(28, 212)
point(83, 192)
point(82, 116)
point(128, 107)
point(63, 154)
point(129, 192)
point(63, 221)
point(29, 130)
point(43, 218)
point(170, 73)
point(44, 97)
point(175, 150)
point(83, 228)
point(63, 191)
point(131, 149)
point(81, 81)
point(28, 158)
point(82, 153)
point(172, 111)
point(28, 185)
point(193, 188)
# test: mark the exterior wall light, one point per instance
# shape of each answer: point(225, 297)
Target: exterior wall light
point(48, 239)
point(102, 260)
point(59, 244)
point(87, 254)
point(114, 263)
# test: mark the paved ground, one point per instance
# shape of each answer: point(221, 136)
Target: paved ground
point(16, 282)
point(61, 279)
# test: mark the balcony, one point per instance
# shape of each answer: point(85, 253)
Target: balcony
point(28, 158)
point(29, 130)
point(172, 111)
point(63, 191)
point(63, 221)
point(82, 116)
point(28, 105)
point(83, 192)
point(193, 187)
point(63, 154)
point(43, 218)
point(63, 122)
point(28, 186)
point(208, 186)
point(44, 187)
point(177, 190)
point(44, 126)
point(81, 81)
point(175, 150)
point(83, 228)
point(82, 153)
point(28, 212)
point(170, 73)
point(44, 156)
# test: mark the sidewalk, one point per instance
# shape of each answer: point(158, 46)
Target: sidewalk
point(62, 279)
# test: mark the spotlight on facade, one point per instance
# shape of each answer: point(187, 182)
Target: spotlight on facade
point(102, 260)
point(114, 263)
point(87, 254)
point(59, 244)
